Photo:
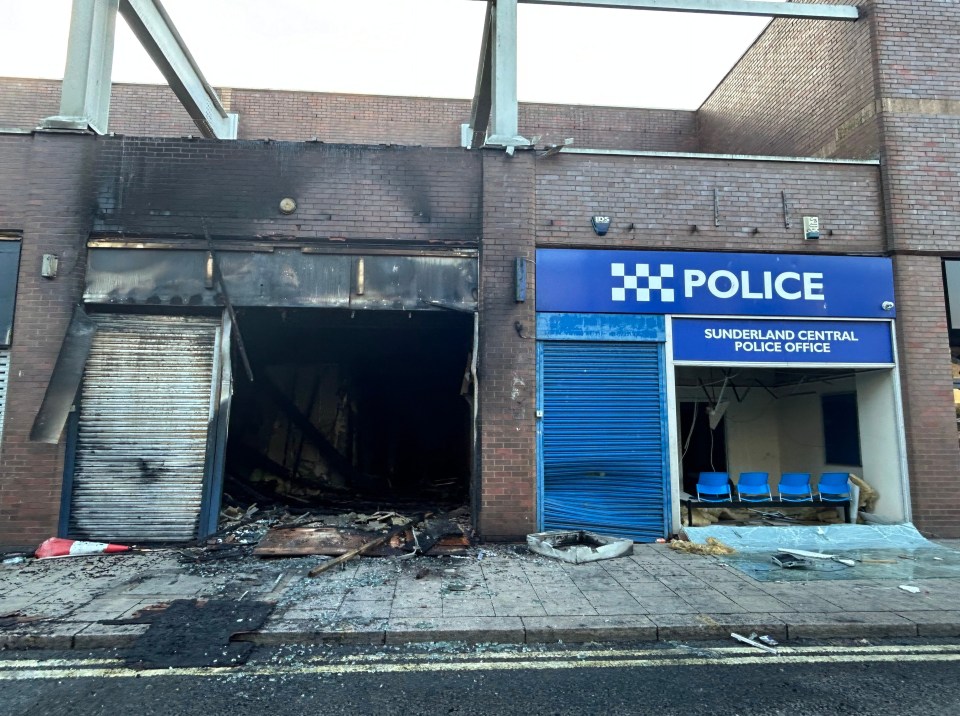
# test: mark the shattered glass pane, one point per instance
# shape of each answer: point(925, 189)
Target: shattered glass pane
point(879, 551)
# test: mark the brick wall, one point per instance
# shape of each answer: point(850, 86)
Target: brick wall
point(49, 199)
point(656, 203)
point(150, 110)
point(929, 415)
point(918, 53)
point(507, 368)
point(27, 101)
point(652, 130)
point(805, 88)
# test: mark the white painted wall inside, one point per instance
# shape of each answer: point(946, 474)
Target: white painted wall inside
point(881, 445)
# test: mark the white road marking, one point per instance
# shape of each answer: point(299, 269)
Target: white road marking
point(637, 653)
point(467, 662)
point(54, 663)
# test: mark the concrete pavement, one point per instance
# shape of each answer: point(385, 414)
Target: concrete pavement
point(493, 594)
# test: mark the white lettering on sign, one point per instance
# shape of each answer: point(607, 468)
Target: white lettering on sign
point(780, 340)
point(789, 285)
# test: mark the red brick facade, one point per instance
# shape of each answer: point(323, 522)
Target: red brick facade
point(887, 87)
point(508, 380)
point(154, 111)
point(805, 88)
point(46, 197)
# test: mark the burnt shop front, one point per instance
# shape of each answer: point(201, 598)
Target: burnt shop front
point(655, 366)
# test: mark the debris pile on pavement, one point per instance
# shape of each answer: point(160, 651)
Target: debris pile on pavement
point(578, 546)
point(713, 547)
point(278, 532)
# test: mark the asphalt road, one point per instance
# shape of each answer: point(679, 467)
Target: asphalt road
point(808, 679)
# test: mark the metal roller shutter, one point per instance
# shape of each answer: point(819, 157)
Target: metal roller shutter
point(142, 437)
point(4, 380)
point(603, 439)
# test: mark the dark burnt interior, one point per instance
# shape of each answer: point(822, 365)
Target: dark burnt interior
point(351, 407)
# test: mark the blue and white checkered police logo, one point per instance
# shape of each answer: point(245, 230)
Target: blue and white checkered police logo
point(642, 282)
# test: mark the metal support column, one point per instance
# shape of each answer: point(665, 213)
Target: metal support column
point(504, 130)
point(85, 95)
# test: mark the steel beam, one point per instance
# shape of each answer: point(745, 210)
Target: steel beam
point(156, 32)
point(480, 111)
point(504, 129)
point(806, 11)
point(85, 93)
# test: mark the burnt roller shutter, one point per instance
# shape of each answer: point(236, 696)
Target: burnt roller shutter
point(603, 439)
point(143, 428)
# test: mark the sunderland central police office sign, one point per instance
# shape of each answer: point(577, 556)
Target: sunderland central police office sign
point(655, 282)
point(735, 340)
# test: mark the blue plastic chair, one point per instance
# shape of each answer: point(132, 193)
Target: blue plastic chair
point(754, 487)
point(714, 487)
point(833, 486)
point(795, 487)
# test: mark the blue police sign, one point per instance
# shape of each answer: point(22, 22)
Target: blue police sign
point(670, 282)
point(721, 340)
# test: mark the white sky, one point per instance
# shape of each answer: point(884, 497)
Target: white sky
point(630, 58)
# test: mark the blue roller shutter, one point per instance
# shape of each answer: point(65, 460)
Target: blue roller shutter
point(603, 438)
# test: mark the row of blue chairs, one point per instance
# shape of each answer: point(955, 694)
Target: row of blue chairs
point(755, 487)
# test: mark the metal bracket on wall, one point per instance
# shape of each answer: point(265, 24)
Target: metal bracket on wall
point(716, 207)
point(786, 212)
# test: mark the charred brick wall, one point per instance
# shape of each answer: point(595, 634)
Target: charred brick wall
point(658, 203)
point(805, 88)
point(60, 188)
point(154, 111)
point(166, 187)
point(46, 195)
point(507, 368)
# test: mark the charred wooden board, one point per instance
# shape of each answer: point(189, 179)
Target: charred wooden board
point(335, 541)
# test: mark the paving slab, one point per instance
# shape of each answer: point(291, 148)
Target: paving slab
point(544, 630)
point(935, 623)
point(292, 631)
point(108, 636)
point(41, 636)
point(853, 625)
point(473, 630)
point(679, 627)
point(507, 597)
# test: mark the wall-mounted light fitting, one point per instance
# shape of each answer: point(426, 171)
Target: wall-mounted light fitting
point(288, 205)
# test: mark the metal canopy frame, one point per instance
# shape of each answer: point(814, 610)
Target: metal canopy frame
point(494, 121)
point(85, 94)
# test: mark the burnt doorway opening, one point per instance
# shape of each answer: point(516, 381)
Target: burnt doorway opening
point(352, 408)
